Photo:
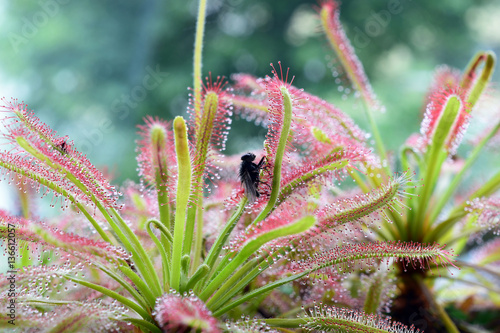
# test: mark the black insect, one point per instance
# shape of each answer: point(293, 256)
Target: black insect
point(63, 147)
point(250, 176)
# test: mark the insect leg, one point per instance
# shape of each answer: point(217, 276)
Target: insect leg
point(261, 162)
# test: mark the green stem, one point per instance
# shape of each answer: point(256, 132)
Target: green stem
point(183, 194)
point(405, 165)
point(163, 229)
point(24, 198)
point(163, 248)
point(215, 250)
point(489, 64)
point(198, 242)
point(201, 272)
point(378, 139)
point(140, 284)
point(164, 208)
point(197, 61)
point(412, 204)
point(50, 302)
point(129, 238)
point(434, 160)
point(259, 291)
point(280, 151)
point(373, 298)
point(158, 137)
point(138, 297)
point(110, 293)
point(286, 322)
point(240, 279)
point(144, 324)
point(191, 220)
point(197, 65)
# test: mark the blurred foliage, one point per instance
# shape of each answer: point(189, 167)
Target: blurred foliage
point(85, 66)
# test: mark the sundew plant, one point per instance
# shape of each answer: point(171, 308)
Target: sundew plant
point(338, 236)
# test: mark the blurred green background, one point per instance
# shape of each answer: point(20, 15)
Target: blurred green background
point(94, 69)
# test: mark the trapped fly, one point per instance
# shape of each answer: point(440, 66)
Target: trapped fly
point(250, 176)
point(62, 147)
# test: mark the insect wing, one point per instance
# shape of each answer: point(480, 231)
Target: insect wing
point(248, 183)
point(249, 179)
